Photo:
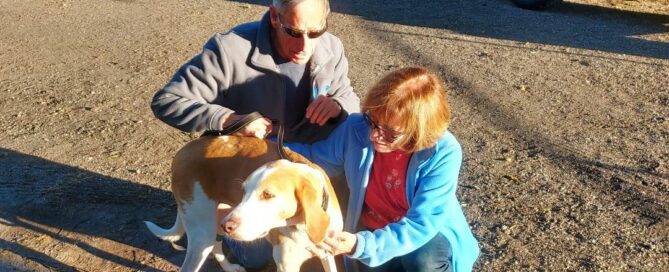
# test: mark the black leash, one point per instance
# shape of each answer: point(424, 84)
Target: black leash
point(279, 141)
point(247, 119)
point(231, 129)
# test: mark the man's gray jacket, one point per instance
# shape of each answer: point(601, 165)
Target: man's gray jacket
point(235, 72)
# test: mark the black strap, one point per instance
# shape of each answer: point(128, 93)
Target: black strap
point(231, 129)
point(279, 140)
point(247, 119)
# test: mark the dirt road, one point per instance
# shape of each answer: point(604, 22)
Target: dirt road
point(563, 116)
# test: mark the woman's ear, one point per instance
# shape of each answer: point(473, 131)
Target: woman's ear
point(316, 219)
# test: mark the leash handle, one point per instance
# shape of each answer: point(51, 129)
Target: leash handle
point(279, 140)
point(247, 119)
point(231, 129)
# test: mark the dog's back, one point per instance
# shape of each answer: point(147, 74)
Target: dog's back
point(225, 161)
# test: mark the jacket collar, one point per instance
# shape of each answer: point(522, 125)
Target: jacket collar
point(262, 50)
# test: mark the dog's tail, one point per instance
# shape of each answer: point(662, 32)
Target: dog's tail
point(171, 235)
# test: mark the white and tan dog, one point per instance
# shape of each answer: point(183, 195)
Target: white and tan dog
point(292, 204)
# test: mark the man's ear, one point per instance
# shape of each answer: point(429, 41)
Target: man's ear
point(273, 16)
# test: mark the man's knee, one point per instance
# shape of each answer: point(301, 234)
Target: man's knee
point(255, 254)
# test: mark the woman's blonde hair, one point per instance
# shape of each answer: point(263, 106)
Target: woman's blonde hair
point(413, 98)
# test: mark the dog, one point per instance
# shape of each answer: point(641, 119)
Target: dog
point(240, 187)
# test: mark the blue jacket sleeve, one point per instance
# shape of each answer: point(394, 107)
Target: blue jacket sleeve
point(328, 153)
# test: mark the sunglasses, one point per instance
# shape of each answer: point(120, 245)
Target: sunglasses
point(386, 135)
point(296, 33)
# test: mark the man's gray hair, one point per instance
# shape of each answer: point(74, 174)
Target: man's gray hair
point(282, 4)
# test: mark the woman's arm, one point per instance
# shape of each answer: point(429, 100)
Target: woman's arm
point(328, 153)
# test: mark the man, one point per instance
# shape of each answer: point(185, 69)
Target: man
point(286, 67)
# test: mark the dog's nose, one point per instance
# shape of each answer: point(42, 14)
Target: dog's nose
point(231, 225)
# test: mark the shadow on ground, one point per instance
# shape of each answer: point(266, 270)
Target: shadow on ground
point(568, 24)
point(48, 198)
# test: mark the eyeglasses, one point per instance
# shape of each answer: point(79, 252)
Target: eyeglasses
point(386, 135)
point(296, 33)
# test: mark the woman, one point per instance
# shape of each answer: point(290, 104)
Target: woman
point(401, 166)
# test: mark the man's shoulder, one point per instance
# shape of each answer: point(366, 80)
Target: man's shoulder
point(246, 31)
point(239, 37)
point(331, 41)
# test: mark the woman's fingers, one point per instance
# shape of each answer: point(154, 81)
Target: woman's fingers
point(341, 242)
point(318, 252)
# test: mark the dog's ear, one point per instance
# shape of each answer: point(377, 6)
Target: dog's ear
point(316, 219)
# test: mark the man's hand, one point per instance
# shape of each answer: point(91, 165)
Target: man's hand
point(259, 128)
point(335, 243)
point(322, 109)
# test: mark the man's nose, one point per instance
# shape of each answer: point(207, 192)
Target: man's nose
point(302, 43)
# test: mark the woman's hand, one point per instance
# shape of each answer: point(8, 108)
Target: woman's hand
point(335, 243)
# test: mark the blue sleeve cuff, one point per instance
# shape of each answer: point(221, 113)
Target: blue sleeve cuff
point(359, 246)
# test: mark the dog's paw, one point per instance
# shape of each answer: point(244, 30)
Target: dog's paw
point(230, 267)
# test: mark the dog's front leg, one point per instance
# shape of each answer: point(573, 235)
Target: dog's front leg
point(329, 264)
point(289, 256)
point(223, 261)
point(221, 211)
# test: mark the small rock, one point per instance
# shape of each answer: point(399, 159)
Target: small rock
point(510, 177)
point(646, 246)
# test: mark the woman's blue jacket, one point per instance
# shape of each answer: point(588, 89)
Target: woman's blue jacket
point(432, 177)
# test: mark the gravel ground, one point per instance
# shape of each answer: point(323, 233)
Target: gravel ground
point(563, 116)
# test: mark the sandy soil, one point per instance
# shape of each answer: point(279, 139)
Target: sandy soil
point(563, 116)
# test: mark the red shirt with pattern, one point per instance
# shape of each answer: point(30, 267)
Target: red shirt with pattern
point(385, 198)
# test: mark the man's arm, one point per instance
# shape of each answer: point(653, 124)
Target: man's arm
point(187, 101)
point(342, 91)
point(339, 98)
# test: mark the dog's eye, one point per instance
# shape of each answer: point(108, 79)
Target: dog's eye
point(267, 195)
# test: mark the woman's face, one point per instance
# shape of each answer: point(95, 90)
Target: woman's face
point(384, 136)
